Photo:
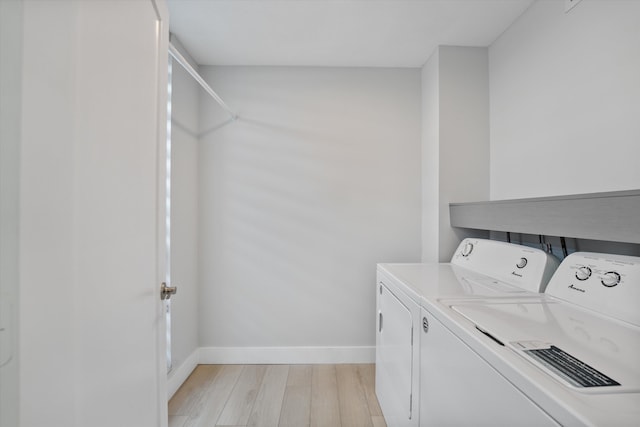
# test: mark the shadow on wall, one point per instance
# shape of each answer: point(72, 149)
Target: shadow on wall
point(300, 198)
point(218, 127)
point(288, 202)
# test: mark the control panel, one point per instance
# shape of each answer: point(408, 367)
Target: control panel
point(607, 284)
point(520, 266)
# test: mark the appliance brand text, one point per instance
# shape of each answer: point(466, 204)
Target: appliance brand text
point(576, 289)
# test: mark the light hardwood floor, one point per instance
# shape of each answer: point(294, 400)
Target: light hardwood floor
point(277, 396)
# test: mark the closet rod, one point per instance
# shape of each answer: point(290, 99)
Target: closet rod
point(185, 64)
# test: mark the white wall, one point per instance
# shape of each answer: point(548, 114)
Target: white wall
point(317, 182)
point(10, 107)
point(430, 79)
point(565, 100)
point(455, 142)
point(184, 219)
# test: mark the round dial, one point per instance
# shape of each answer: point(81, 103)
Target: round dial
point(522, 263)
point(466, 250)
point(610, 279)
point(583, 273)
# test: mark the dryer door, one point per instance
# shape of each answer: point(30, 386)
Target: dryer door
point(394, 358)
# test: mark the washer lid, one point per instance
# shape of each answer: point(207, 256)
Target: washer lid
point(448, 280)
point(583, 350)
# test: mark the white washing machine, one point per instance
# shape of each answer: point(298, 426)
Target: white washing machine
point(479, 268)
point(570, 357)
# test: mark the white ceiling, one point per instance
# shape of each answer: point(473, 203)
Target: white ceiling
point(348, 33)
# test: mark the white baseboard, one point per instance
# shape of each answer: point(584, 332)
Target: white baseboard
point(286, 355)
point(179, 374)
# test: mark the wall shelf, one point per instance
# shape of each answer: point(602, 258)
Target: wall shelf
point(610, 216)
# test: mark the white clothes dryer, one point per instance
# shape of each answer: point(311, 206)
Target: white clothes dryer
point(479, 268)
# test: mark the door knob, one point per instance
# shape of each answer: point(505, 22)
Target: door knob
point(167, 291)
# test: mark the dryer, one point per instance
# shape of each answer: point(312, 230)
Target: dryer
point(479, 268)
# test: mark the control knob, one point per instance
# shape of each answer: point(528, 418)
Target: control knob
point(610, 279)
point(522, 263)
point(466, 250)
point(583, 273)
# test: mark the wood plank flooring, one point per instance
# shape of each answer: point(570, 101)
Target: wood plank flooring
point(277, 396)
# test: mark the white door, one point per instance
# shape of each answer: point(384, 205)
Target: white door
point(394, 358)
point(10, 71)
point(92, 212)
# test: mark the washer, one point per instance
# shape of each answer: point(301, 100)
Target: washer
point(478, 269)
point(569, 357)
